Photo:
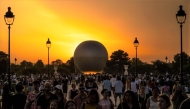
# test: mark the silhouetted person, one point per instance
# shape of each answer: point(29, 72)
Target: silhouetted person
point(19, 99)
point(6, 98)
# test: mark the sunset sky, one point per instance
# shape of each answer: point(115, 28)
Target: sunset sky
point(114, 23)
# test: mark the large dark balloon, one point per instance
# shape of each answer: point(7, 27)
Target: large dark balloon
point(90, 56)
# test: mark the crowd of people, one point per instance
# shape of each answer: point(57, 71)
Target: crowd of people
point(145, 91)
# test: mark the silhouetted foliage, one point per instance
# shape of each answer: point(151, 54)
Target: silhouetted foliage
point(114, 65)
point(71, 65)
point(116, 62)
point(3, 62)
point(142, 67)
point(160, 66)
point(176, 62)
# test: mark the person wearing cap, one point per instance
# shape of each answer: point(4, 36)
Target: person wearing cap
point(59, 93)
point(81, 97)
point(43, 101)
point(32, 96)
point(19, 99)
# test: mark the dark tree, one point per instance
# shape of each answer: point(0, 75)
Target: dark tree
point(3, 62)
point(160, 66)
point(116, 62)
point(71, 65)
point(176, 62)
point(142, 67)
point(39, 64)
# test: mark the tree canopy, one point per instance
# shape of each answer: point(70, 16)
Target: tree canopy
point(114, 65)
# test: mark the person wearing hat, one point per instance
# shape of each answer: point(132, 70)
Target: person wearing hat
point(59, 93)
point(81, 97)
point(19, 99)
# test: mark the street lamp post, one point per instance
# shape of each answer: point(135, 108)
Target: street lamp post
point(166, 59)
point(181, 17)
point(9, 19)
point(136, 44)
point(48, 44)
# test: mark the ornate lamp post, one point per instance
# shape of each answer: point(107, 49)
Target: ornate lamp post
point(181, 17)
point(48, 44)
point(166, 59)
point(136, 44)
point(9, 19)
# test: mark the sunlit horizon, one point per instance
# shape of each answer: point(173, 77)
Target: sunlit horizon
point(115, 24)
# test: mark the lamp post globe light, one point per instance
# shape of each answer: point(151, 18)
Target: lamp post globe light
point(48, 44)
point(136, 44)
point(181, 17)
point(9, 19)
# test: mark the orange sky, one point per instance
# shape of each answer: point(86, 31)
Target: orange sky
point(114, 23)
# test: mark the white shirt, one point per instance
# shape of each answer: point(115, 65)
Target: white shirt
point(134, 87)
point(147, 89)
point(118, 86)
point(153, 105)
point(113, 80)
point(76, 77)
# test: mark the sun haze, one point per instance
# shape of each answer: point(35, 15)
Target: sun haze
point(114, 23)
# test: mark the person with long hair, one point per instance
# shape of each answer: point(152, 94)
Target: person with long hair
point(141, 96)
point(70, 104)
point(178, 96)
point(163, 101)
point(105, 102)
point(129, 101)
point(58, 92)
point(54, 104)
point(93, 100)
point(152, 100)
